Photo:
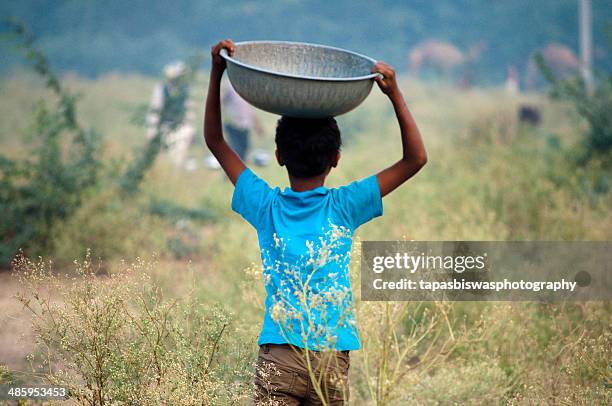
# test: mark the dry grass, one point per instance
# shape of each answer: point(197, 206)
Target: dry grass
point(487, 179)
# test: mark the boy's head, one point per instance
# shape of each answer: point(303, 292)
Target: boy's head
point(307, 147)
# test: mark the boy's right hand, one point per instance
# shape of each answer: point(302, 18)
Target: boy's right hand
point(218, 63)
point(387, 83)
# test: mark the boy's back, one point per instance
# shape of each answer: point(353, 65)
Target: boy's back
point(305, 242)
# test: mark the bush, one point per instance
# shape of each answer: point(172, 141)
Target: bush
point(37, 193)
point(118, 339)
point(595, 108)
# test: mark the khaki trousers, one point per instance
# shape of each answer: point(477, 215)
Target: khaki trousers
point(283, 377)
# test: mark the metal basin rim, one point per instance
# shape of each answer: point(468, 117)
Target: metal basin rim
point(225, 55)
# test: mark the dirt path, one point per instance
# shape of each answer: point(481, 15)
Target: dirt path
point(16, 335)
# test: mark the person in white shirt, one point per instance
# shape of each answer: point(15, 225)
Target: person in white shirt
point(170, 104)
point(239, 120)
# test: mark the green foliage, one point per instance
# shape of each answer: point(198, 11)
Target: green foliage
point(595, 108)
point(134, 175)
point(5, 375)
point(47, 187)
point(170, 210)
point(111, 226)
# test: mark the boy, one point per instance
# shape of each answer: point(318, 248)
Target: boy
point(304, 236)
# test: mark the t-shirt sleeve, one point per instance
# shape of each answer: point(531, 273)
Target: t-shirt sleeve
point(360, 201)
point(252, 197)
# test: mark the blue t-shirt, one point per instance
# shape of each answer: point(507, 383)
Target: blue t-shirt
point(305, 242)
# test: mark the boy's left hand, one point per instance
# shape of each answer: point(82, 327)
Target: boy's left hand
point(387, 83)
point(218, 63)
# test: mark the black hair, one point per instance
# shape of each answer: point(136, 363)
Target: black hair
point(307, 147)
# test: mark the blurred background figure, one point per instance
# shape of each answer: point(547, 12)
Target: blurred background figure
point(512, 80)
point(171, 99)
point(239, 120)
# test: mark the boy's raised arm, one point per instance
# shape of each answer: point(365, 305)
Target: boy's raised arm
point(414, 156)
point(213, 130)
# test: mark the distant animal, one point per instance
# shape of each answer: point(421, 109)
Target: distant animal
point(438, 55)
point(529, 114)
point(561, 60)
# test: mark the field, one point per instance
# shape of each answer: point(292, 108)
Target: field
point(489, 177)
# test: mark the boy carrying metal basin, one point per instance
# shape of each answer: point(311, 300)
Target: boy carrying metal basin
point(304, 234)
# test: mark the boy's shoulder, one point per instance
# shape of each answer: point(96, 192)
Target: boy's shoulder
point(251, 196)
point(361, 188)
point(357, 202)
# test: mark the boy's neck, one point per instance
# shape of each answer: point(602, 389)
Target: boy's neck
point(304, 184)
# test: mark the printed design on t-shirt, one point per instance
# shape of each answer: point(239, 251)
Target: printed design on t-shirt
point(311, 296)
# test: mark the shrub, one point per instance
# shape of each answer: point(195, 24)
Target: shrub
point(594, 108)
point(118, 339)
point(37, 192)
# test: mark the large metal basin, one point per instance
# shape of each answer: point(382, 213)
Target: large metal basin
point(299, 79)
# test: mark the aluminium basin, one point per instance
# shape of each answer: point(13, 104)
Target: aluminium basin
point(299, 79)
